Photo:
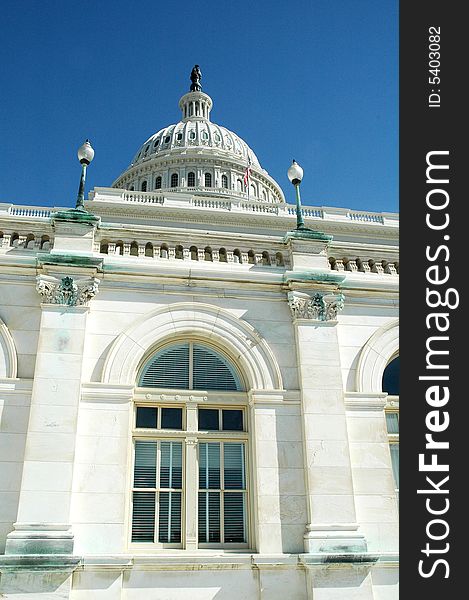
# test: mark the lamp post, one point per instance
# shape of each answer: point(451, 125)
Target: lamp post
point(85, 156)
point(295, 175)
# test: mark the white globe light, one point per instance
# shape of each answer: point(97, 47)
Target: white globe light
point(85, 153)
point(295, 173)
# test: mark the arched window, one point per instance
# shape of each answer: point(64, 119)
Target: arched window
point(194, 253)
point(237, 256)
point(265, 258)
point(104, 247)
point(239, 185)
point(191, 179)
point(158, 183)
point(179, 252)
point(253, 191)
point(149, 249)
point(279, 259)
point(208, 180)
point(208, 253)
point(190, 366)
point(222, 257)
point(391, 386)
point(144, 186)
point(164, 253)
point(211, 481)
point(174, 180)
point(224, 181)
point(134, 249)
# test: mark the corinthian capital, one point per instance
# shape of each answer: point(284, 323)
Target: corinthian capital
point(319, 306)
point(67, 291)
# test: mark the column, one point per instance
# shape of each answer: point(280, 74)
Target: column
point(332, 526)
point(43, 522)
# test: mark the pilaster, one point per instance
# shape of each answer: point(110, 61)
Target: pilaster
point(332, 525)
point(43, 521)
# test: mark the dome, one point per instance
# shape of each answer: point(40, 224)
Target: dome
point(198, 157)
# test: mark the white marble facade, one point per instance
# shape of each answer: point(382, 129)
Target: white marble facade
point(310, 321)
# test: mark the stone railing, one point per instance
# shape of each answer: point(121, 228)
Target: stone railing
point(221, 199)
point(25, 241)
point(363, 265)
point(153, 250)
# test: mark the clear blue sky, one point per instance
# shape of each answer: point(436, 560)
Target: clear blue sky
point(312, 80)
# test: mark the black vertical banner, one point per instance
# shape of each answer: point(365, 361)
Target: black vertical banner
point(434, 54)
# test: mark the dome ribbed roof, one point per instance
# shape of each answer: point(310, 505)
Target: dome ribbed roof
point(196, 156)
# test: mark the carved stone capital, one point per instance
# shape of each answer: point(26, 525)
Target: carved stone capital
point(320, 306)
point(67, 291)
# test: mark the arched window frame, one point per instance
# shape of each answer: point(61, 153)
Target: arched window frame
point(191, 179)
point(174, 180)
point(233, 444)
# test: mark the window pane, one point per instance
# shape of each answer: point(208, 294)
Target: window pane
point(143, 517)
point(395, 463)
point(232, 420)
point(171, 465)
point(212, 371)
point(147, 417)
point(168, 369)
point(171, 418)
point(208, 419)
point(209, 465)
point(145, 464)
point(391, 378)
point(209, 517)
point(392, 422)
point(169, 526)
point(234, 517)
point(233, 459)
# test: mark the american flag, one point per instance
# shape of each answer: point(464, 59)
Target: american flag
point(247, 172)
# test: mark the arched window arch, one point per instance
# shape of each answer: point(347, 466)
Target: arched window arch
point(208, 179)
point(239, 185)
point(208, 253)
point(158, 183)
point(211, 481)
point(194, 253)
point(224, 181)
point(174, 180)
point(191, 179)
point(144, 186)
point(134, 249)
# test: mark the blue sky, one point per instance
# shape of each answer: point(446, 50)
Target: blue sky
point(312, 80)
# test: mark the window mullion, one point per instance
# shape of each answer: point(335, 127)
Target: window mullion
point(222, 492)
point(191, 366)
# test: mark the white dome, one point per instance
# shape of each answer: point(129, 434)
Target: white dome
point(197, 156)
point(195, 135)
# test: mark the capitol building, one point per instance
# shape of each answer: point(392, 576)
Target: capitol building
point(198, 384)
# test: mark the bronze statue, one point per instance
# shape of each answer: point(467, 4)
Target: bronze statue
point(196, 76)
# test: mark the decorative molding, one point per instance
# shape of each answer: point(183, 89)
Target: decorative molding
point(8, 356)
point(319, 307)
point(359, 401)
point(378, 351)
point(215, 325)
point(67, 291)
